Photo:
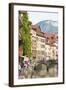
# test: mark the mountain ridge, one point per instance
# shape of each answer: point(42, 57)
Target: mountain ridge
point(48, 26)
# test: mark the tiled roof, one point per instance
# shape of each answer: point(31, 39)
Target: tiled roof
point(50, 37)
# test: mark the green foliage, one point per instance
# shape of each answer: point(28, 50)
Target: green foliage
point(25, 34)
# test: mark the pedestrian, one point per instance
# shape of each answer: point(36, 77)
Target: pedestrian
point(19, 68)
point(26, 61)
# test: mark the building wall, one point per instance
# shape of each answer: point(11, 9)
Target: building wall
point(42, 50)
point(33, 39)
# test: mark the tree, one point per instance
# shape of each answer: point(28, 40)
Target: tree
point(25, 34)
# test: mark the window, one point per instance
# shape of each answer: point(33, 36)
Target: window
point(42, 46)
point(37, 38)
point(42, 40)
point(38, 52)
point(42, 52)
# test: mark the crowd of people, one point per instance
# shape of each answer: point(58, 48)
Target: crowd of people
point(24, 63)
point(42, 68)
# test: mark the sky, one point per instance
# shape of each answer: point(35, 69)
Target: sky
point(36, 17)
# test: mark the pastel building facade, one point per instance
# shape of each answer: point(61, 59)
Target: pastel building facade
point(43, 47)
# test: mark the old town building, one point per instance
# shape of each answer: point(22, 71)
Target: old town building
point(44, 45)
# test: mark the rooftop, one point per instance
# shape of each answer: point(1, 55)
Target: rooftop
point(50, 37)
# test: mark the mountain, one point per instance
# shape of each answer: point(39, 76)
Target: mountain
point(48, 26)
